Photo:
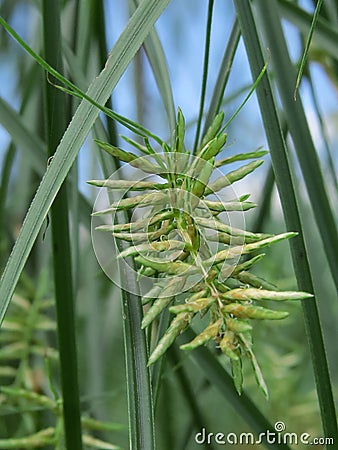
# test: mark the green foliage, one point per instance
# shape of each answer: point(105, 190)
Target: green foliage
point(186, 248)
point(170, 242)
point(24, 357)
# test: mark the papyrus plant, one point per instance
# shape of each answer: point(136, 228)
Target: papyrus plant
point(198, 262)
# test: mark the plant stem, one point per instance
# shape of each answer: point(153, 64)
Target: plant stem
point(205, 72)
point(64, 295)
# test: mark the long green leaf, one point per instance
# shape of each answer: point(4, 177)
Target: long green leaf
point(291, 214)
point(100, 90)
point(326, 35)
point(205, 72)
point(307, 46)
point(300, 133)
point(223, 75)
point(62, 259)
point(159, 66)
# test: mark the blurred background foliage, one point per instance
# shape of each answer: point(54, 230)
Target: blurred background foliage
point(28, 336)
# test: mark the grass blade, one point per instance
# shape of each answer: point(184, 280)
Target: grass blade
point(100, 89)
point(159, 66)
point(307, 47)
point(63, 277)
point(326, 35)
point(223, 75)
point(300, 133)
point(205, 72)
point(291, 214)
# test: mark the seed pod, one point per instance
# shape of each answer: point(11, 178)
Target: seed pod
point(148, 236)
point(156, 308)
point(152, 247)
point(263, 294)
point(237, 325)
point(229, 206)
point(223, 255)
point(213, 129)
point(247, 265)
point(162, 302)
point(253, 312)
point(174, 268)
point(209, 333)
point(144, 164)
point(146, 272)
point(220, 226)
point(199, 185)
point(241, 157)
point(126, 185)
point(136, 144)
point(237, 373)
point(228, 345)
point(232, 177)
point(139, 224)
point(213, 147)
point(151, 295)
point(116, 152)
point(139, 201)
point(268, 240)
point(194, 306)
point(180, 131)
point(226, 238)
point(177, 326)
point(255, 281)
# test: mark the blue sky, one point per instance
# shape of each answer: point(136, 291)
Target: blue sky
point(181, 29)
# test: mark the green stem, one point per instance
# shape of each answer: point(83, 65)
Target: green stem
point(140, 404)
point(64, 295)
point(288, 199)
point(205, 73)
point(223, 75)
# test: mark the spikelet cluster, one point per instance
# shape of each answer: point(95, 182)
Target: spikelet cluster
point(198, 262)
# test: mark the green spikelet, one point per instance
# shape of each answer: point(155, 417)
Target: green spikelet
point(175, 243)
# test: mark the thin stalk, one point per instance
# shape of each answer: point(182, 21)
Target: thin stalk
point(139, 393)
point(307, 47)
point(157, 60)
point(159, 366)
point(223, 75)
point(140, 403)
point(205, 72)
point(326, 34)
point(100, 34)
point(291, 214)
point(64, 295)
